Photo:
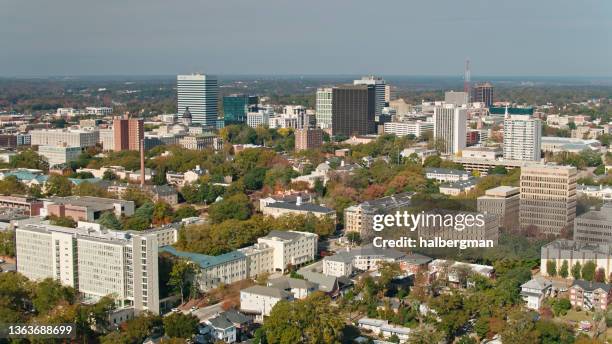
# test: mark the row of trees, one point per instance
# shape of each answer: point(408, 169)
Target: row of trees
point(588, 271)
point(231, 234)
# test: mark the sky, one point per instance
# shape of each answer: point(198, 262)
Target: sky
point(301, 37)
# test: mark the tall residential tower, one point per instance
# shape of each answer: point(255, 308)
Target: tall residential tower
point(522, 137)
point(450, 127)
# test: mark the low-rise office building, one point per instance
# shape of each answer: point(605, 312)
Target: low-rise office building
point(28, 205)
point(594, 226)
point(86, 208)
point(278, 209)
point(446, 175)
point(503, 201)
point(574, 252)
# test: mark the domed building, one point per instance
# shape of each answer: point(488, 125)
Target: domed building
point(186, 119)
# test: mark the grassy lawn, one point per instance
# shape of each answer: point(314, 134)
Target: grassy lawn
point(576, 317)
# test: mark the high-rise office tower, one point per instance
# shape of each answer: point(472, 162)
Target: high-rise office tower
point(353, 110)
point(450, 126)
point(522, 137)
point(200, 93)
point(324, 108)
point(548, 198)
point(236, 107)
point(379, 86)
point(127, 132)
point(483, 93)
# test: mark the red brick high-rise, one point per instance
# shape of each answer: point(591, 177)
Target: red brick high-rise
point(128, 132)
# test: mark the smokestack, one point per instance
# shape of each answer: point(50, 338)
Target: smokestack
point(142, 164)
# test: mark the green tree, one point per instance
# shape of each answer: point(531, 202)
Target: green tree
point(10, 185)
point(576, 271)
point(179, 325)
point(309, 321)
point(58, 185)
point(564, 271)
point(237, 207)
point(109, 175)
point(254, 178)
point(588, 271)
point(481, 327)
point(520, 328)
point(353, 237)
point(108, 219)
point(551, 268)
point(62, 221)
point(49, 293)
point(181, 277)
point(7, 243)
point(29, 159)
point(162, 213)
point(185, 211)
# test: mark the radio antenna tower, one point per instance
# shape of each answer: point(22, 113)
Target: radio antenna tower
point(466, 80)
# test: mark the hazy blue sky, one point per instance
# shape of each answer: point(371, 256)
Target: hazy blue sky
point(408, 37)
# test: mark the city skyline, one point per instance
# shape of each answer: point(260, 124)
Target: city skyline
point(543, 39)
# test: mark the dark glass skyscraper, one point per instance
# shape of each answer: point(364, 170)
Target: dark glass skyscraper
point(483, 93)
point(235, 107)
point(353, 110)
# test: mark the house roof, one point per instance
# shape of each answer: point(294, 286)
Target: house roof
point(205, 261)
point(291, 283)
point(537, 283)
point(267, 291)
point(591, 286)
point(308, 207)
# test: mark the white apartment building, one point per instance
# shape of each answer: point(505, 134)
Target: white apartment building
point(450, 128)
point(290, 247)
point(107, 139)
point(273, 252)
point(199, 93)
point(260, 259)
point(324, 108)
point(259, 300)
point(215, 270)
point(534, 291)
point(65, 137)
point(522, 138)
point(446, 175)
point(94, 261)
point(59, 155)
point(99, 111)
point(259, 118)
point(415, 128)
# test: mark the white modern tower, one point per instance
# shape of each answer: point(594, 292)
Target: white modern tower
point(200, 93)
point(522, 137)
point(324, 108)
point(379, 86)
point(450, 128)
